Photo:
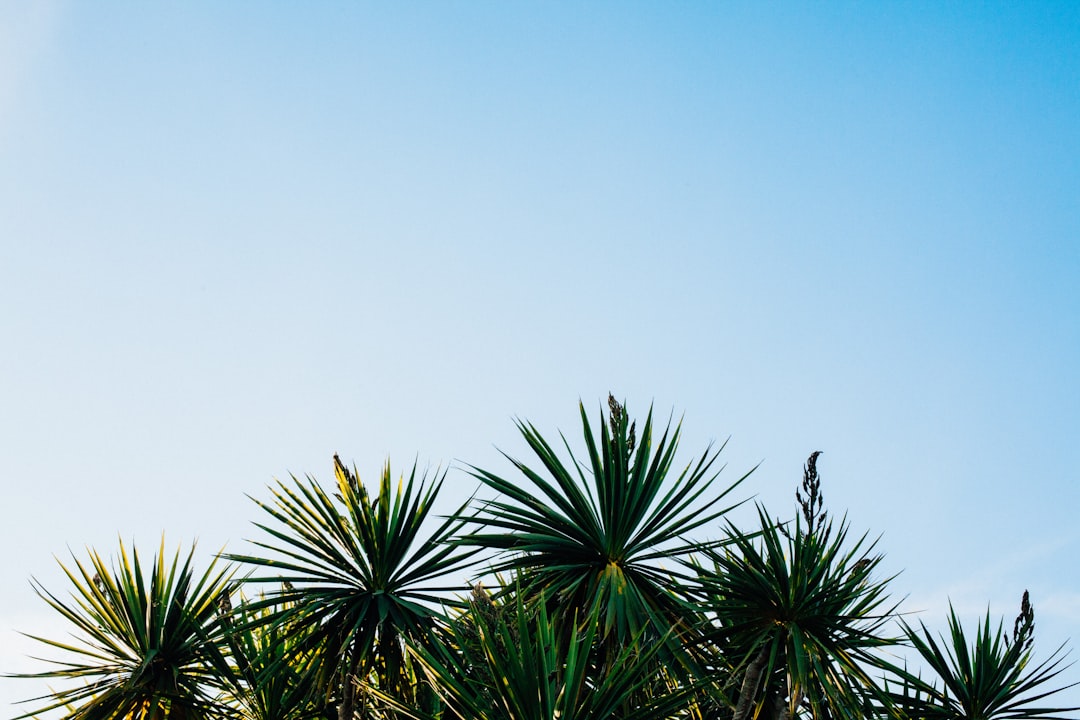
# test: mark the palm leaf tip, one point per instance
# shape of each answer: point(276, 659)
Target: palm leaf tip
point(144, 636)
point(798, 613)
point(367, 571)
point(593, 527)
point(985, 676)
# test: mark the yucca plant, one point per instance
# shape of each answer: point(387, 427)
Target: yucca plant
point(990, 678)
point(145, 648)
point(520, 665)
point(267, 680)
point(797, 614)
point(592, 537)
point(358, 574)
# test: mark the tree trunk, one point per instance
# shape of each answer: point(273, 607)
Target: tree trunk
point(347, 707)
point(751, 682)
point(784, 706)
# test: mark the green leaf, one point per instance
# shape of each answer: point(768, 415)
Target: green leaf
point(594, 535)
point(359, 574)
point(139, 647)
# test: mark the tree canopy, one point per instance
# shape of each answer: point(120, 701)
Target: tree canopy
point(608, 581)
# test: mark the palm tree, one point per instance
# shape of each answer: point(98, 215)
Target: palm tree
point(781, 623)
point(796, 615)
point(516, 663)
point(591, 537)
point(144, 651)
point(267, 682)
point(356, 575)
point(988, 679)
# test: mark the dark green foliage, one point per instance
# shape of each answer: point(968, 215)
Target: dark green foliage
point(605, 607)
point(144, 650)
point(518, 664)
point(591, 537)
point(267, 681)
point(797, 614)
point(989, 678)
point(358, 577)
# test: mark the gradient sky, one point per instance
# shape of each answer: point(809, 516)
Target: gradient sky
point(236, 238)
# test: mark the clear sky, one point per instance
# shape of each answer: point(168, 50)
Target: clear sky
point(236, 238)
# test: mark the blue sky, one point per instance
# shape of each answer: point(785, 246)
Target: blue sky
point(237, 238)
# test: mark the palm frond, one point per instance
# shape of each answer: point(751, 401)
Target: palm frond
point(798, 617)
point(593, 534)
point(142, 649)
point(987, 677)
point(519, 665)
point(358, 573)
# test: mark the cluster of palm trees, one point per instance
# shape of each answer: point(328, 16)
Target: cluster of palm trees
point(599, 604)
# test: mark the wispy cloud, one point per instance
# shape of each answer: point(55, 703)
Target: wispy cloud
point(1062, 604)
point(997, 585)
